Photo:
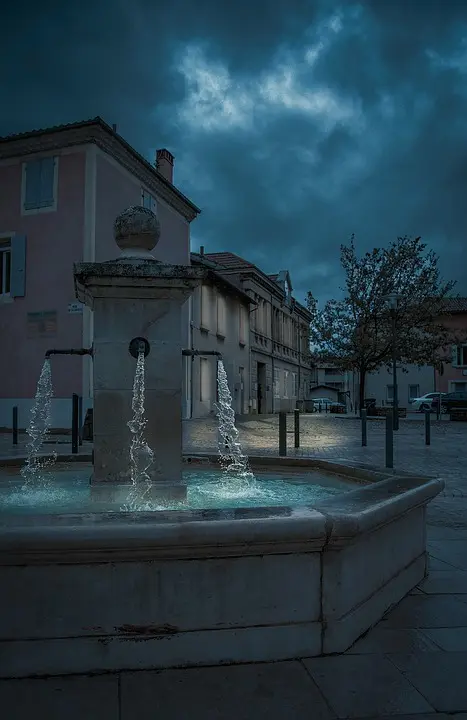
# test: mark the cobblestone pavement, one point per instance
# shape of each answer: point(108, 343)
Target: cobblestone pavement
point(335, 437)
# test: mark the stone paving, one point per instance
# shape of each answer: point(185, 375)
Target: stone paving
point(413, 664)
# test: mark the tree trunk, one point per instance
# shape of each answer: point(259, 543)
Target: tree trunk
point(361, 389)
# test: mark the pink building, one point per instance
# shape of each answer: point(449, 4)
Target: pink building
point(454, 375)
point(62, 188)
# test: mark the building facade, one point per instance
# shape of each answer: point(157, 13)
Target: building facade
point(327, 380)
point(62, 189)
point(413, 381)
point(219, 321)
point(453, 376)
point(279, 365)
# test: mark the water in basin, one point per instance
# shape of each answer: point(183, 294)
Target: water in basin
point(69, 491)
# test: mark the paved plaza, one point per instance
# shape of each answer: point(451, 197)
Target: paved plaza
point(413, 664)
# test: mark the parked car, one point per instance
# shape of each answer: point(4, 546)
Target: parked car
point(449, 401)
point(326, 403)
point(426, 402)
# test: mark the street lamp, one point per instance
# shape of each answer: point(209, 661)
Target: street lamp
point(393, 301)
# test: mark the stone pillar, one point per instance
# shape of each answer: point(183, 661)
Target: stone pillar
point(137, 296)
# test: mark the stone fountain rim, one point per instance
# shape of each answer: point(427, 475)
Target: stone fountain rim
point(335, 522)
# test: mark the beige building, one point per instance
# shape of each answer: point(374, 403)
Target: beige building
point(412, 382)
point(265, 344)
point(328, 381)
point(220, 322)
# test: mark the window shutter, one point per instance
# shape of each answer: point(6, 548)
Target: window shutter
point(47, 166)
point(18, 266)
point(454, 355)
point(32, 195)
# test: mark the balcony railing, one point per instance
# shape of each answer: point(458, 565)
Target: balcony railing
point(279, 349)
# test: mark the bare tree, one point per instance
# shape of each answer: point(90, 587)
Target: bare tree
point(355, 332)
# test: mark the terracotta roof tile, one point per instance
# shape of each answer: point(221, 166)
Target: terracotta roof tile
point(228, 260)
point(54, 128)
point(456, 305)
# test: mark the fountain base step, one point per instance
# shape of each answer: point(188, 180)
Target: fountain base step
point(156, 493)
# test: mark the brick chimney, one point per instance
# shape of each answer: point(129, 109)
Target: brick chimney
point(165, 164)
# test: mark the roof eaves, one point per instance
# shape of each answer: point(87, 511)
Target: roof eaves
point(99, 122)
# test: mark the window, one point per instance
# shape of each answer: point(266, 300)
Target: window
point(12, 265)
point(40, 184)
point(459, 387)
point(5, 267)
point(459, 355)
point(414, 392)
point(276, 383)
point(204, 380)
point(148, 201)
point(242, 326)
point(205, 313)
point(390, 393)
point(221, 312)
point(286, 384)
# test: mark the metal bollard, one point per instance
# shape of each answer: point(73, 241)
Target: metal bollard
point(80, 419)
point(14, 425)
point(364, 435)
point(427, 427)
point(296, 427)
point(282, 434)
point(74, 423)
point(390, 440)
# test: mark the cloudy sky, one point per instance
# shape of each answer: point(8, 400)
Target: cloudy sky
point(294, 123)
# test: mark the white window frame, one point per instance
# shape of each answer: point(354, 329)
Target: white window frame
point(277, 383)
point(461, 350)
point(453, 383)
point(148, 200)
point(413, 385)
point(48, 208)
point(6, 249)
point(221, 311)
point(205, 302)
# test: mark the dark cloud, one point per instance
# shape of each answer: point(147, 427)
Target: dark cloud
point(294, 124)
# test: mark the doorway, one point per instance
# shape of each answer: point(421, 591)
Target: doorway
point(261, 388)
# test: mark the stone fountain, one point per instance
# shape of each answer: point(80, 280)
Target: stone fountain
point(97, 591)
point(137, 300)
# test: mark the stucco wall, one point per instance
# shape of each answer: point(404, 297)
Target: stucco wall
point(235, 355)
point(53, 243)
point(116, 190)
point(376, 383)
point(451, 374)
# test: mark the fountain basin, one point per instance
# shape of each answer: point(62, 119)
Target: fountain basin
point(114, 591)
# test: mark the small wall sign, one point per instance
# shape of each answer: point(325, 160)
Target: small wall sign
point(75, 308)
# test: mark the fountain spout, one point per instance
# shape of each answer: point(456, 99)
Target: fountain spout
point(194, 353)
point(71, 351)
